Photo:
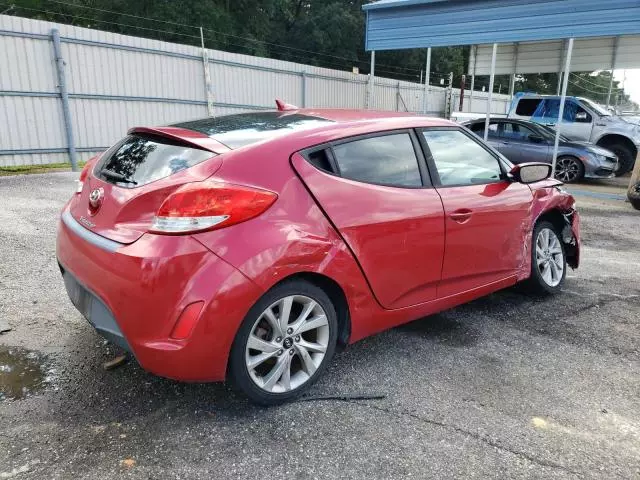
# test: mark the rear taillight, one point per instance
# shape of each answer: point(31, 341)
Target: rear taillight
point(195, 207)
point(83, 176)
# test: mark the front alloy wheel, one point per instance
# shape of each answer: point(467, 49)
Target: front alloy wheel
point(549, 257)
point(284, 343)
point(569, 169)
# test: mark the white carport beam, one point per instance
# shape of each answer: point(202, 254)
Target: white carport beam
point(565, 80)
point(613, 67)
point(425, 94)
point(369, 97)
point(491, 79)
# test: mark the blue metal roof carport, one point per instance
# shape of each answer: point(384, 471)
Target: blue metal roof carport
point(403, 24)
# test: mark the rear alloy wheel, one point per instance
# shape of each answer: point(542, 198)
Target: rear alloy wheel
point(284, 344)
point(569, 169)
point(548, 259)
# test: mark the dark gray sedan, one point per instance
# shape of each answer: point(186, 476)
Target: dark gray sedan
point(521, 141)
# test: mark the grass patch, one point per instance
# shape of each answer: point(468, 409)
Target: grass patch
point(26, 169)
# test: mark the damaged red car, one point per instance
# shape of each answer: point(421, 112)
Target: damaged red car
point(247, 248)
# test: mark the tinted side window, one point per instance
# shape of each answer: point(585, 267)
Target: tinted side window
point(460, 160)
point(549, 111)
point(515, 131)
point(571, 111)
point(527, 106)
point(388, 160)
point(478, 129)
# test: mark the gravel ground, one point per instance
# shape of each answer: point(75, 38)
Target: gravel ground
point(506, 386)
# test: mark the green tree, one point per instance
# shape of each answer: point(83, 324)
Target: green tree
point(327, 33)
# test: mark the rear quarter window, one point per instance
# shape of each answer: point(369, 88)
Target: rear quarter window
point(527, 106)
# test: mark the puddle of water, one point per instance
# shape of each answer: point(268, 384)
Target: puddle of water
point(21, 373)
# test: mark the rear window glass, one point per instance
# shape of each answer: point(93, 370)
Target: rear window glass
point(387, 160)
point(527, 106)
point(236, 131)
point(142, 159)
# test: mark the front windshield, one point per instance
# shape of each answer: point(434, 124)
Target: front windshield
point(597, 108)
point(550, 133)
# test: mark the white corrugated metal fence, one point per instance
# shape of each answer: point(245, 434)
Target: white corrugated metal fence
point(117, 81)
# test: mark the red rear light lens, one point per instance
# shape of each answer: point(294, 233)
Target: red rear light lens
point(196, 207)
point(188, 318)
point(83, 176)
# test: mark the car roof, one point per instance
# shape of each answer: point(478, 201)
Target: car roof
point(541, 95)
point(499, 120)
point(253, 128)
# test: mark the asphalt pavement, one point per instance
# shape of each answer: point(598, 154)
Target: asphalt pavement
point(508, 386)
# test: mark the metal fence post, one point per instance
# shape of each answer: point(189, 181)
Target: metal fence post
point(369, 94)
point(64, 96)
point(398, 97)
point(425, 94)
point(207, 77)
point(304, 89)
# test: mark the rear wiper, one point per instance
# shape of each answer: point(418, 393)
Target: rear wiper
point(118, 177)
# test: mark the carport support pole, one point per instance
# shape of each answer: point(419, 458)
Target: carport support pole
point(563, 96)
point(613, 67)
point(512, 81)
point(369, 99)
point(491, 79)
point(425, 94)
point(473, 76)
point(64, 96)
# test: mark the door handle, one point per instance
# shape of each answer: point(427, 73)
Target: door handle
point(461, 216)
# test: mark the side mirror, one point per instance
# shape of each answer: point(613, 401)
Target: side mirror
point(535, 139)
point(582, 117)
point(531, 172)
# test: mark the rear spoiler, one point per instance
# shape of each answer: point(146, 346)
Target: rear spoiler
point(183, 135)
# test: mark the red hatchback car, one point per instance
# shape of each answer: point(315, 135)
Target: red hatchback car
point(247, 247)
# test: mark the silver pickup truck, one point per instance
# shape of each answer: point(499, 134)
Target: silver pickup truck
point(583, 120)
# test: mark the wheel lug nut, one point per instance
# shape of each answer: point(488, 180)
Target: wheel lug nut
point(280, 352)
point(297, 338)
point(279, 339)
point(289, 330)
point(291, 352)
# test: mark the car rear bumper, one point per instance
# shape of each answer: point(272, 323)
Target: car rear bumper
point(134, 294)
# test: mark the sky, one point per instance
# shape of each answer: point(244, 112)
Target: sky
point(632, 83)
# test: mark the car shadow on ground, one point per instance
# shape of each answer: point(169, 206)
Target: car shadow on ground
point(88, 393)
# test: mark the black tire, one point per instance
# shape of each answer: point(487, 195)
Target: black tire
point(569, 169)
point(626, 159)
point(238, 371)
point(634, 196)
point(537, 282)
